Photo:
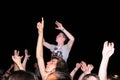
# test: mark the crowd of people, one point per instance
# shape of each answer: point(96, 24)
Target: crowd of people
point(57, 67)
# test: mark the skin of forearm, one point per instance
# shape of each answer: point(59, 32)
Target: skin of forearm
point(103, 69)
point(73, 72)
point(69, 35)
point(24, 62)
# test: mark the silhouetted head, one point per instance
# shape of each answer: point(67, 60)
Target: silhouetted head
point(91, 76)
point(58, 75)
point(22, 75)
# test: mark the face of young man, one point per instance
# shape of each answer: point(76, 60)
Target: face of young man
point(60, 37)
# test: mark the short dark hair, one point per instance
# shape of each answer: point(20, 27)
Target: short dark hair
point(61, 75)
point(91, 74)
point(22, 75)
point(61, 64)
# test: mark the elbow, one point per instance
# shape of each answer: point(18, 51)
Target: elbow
point(73, 39)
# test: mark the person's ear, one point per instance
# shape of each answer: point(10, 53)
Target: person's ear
point(63, 39)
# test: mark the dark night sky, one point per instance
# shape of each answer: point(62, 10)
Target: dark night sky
point(91, 26)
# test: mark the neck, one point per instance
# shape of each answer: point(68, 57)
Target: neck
point(60, 44)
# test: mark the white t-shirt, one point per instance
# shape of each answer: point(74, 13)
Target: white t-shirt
point(61, 51)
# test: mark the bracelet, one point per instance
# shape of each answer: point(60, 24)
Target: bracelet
point(75, 69)
point(63, 29)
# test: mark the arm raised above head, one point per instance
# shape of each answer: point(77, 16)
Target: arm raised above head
point(107, 52)
point(17, 59)
point(25, 58)
point(66, 32)
point(39, 49)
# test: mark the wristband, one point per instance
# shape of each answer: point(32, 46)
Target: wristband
point(63, 29)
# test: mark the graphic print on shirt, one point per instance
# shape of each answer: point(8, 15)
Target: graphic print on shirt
point(57, 52)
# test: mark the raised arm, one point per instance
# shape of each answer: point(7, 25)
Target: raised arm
point(16, 53)
point(39, 49)
point(25, 58)
point(86, 69)
point(68, 34)
point(107, 52)
point(72, 73)
point(83, 68)
point(46, 44)
point(17, 59)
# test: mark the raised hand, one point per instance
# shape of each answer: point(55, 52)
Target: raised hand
point(107, 52)
point(40, 25)
point(83, 66)
point(90, 67)
point(108, 49)
point(78, 65)
point(26, 53)
point(16, 58)
point(16, 52)
point(59, 26)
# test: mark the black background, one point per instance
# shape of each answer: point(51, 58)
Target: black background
point(90, 23)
